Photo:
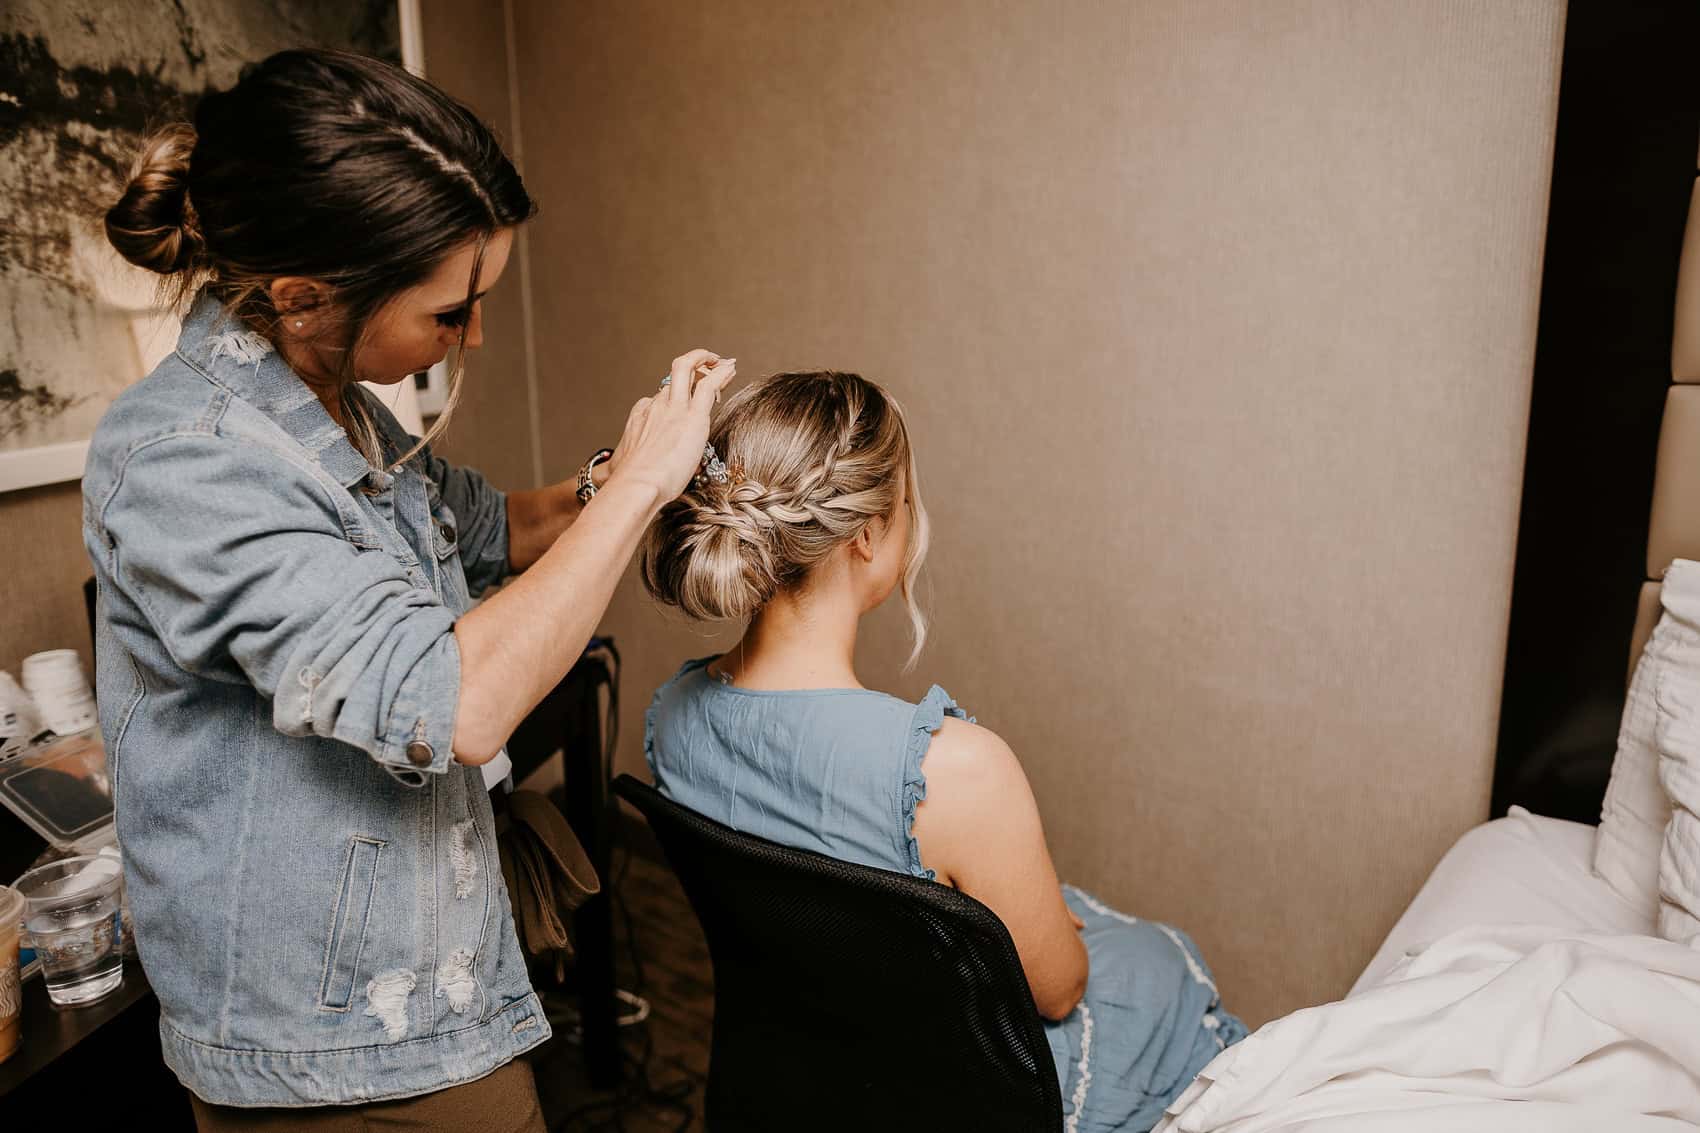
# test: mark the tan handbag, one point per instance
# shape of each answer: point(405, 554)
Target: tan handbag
point(547, 873)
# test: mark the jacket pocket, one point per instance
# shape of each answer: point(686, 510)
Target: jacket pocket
point(348, 923)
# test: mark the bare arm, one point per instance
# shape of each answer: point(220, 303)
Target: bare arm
point(539, 516)
point(517, 645)
point(979, 829)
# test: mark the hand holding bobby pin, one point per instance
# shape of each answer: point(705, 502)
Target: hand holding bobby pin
point(666, 435)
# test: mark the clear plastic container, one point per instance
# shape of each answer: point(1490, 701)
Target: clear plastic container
point(61, 789)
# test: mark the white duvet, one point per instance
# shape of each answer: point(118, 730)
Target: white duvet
point(1488, 1030)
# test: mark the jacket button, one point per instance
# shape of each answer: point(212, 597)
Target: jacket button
point(448, 533)
point(419, 753)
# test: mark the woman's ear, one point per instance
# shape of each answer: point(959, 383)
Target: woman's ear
point(862, 545)
point(301, 303)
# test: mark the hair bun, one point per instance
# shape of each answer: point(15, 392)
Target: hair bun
point(709, 558)
point(153, 224)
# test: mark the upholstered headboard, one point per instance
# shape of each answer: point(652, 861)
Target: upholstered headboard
point(1674, 531)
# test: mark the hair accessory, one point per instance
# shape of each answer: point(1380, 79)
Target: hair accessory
point(713, 468)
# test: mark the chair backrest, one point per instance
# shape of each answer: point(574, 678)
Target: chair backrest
point(847, 997)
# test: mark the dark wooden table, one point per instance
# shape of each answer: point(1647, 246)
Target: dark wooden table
point(88, 1067)
point(51, 1032)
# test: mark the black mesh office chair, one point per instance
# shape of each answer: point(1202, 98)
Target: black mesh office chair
point(850, 998)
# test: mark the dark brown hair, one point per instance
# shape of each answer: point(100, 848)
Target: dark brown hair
point(322, 164)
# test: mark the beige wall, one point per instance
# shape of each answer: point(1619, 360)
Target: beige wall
point(1215, 321)
point(493, 428)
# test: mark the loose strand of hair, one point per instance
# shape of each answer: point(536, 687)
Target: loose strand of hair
point(452, 398)
point(920, 536)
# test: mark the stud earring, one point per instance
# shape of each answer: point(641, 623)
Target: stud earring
point(299, 324)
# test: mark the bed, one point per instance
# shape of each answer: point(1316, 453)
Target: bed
point(1518, 870)
point(1518, 991)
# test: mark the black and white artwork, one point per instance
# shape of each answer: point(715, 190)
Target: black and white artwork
point(81, 82)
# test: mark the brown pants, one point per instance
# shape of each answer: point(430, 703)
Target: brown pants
point(502, 1102)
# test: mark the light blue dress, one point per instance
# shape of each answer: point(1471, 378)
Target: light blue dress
point(838, 771)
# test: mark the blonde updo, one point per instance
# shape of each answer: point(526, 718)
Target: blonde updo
point(815, 458)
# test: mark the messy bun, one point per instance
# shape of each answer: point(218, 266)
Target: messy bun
point(153, 225)
point(814, 458)
point(328, 166)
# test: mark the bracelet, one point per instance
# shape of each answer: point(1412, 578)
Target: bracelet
point(586, 485)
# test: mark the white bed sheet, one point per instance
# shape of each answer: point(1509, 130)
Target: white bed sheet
point(1494, 1029)
point(1518, 994)
point(1521, 869)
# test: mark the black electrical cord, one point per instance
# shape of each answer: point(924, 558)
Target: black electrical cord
point(636, 1087)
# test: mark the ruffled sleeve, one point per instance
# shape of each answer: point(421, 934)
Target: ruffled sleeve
point(928, 719)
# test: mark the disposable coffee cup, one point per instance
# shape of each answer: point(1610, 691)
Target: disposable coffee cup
point(70, 715)
point(44, 690)
point(19, 720)
point(50, 657)
point(60, 690)
point(11, 995)
point(53, 665)
point(69, 684)
point(56, 680)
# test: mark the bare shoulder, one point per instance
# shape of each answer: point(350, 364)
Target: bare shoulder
point(962, 739)
point(977, 796)
point(967, 759)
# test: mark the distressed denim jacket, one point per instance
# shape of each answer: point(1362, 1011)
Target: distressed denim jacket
point(314, 882)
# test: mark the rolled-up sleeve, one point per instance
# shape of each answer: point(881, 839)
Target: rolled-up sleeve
point(481, 514)
point(249, 572)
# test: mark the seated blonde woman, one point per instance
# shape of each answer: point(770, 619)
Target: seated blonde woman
point(814, 519)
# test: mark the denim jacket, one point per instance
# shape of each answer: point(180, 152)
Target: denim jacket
point(316, 894)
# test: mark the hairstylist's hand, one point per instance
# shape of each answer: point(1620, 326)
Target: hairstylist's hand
point(665, 434)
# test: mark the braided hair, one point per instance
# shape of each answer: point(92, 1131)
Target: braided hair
point(814, 457)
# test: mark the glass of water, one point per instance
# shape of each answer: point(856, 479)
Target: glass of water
point(71, 912)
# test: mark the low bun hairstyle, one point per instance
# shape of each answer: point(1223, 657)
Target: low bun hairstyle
point(325, 165)
point(152, 224)
point(815, 458)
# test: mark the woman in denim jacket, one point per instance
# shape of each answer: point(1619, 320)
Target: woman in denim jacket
point(296, 699)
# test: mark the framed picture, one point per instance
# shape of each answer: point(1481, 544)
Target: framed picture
point(79, 324)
